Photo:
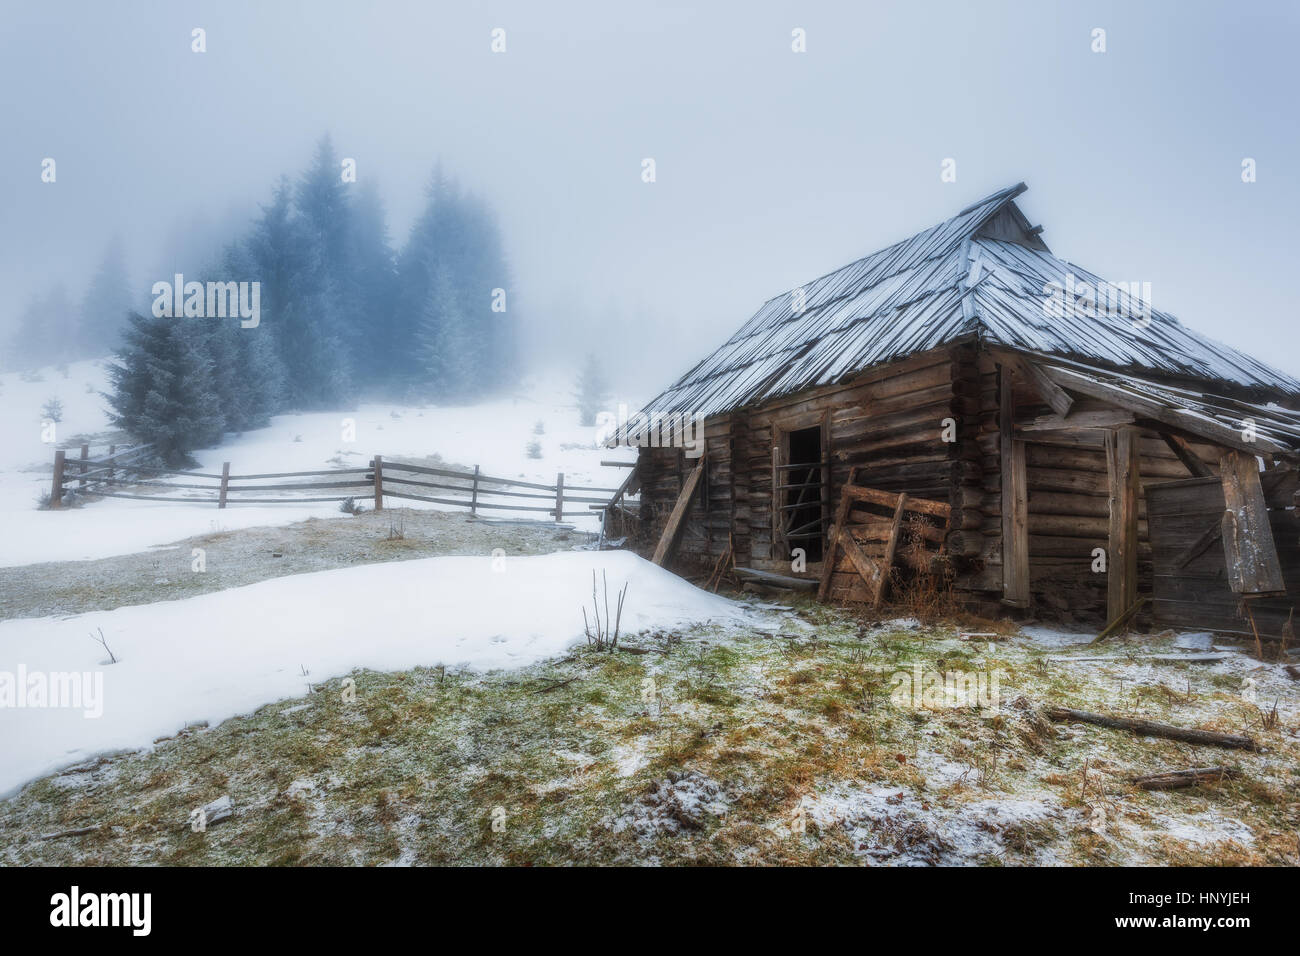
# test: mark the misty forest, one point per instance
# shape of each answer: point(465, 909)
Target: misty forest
point(344, 315)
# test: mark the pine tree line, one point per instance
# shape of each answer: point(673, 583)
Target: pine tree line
point(342, 314)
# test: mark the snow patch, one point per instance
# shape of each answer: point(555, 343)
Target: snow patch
point(211, 657)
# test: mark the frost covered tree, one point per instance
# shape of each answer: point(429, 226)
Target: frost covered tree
point(47, 331)
point(443, 342)
point(453, 255)
point(105, 305)
point(592, 390)
point(372, 284)
point(298, 303)
point(162, 390)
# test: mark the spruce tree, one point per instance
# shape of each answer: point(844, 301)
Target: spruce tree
point(105, 305)
point(592, 390)
point(162, 390)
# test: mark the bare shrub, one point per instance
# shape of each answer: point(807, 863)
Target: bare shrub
point(598, 631)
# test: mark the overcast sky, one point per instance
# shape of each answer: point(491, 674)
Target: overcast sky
point(773, 167)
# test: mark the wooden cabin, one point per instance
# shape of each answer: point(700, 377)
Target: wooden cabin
point(1049, 415)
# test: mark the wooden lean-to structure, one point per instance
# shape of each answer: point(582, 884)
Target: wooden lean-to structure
point(1078, 451)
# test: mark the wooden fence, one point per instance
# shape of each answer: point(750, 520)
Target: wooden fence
point(121, 475)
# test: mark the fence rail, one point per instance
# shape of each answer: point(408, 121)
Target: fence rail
point(120, 475)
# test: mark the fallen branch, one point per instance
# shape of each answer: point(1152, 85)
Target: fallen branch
point(1149, 728)
point(1178, 779)
point(558, 684)
point(79, 831)
point(1292, 671)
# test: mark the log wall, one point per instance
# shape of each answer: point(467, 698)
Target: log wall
point(889, 423)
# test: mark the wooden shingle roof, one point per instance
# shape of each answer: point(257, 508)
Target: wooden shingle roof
point(981, 274)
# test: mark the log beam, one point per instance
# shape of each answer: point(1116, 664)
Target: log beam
point(1123, 477)
point(1015, 501)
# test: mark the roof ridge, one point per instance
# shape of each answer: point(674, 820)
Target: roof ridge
point(1001, 197)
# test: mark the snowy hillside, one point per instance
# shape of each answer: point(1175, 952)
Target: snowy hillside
point(249, 646)
point(494, 435)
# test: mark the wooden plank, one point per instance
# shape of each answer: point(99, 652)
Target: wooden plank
point(667, 539)
point(1051, 393)
point(779, 543)
point(833, 539)
point(559, 495)
point(889, 499)
point(225, 484)
point(1183, 420)
point(1183, 450)
point(378, 465)
point(1015, 501)
point(1248, 548)
point(870, 571)
point(1123, 475)
point(891, 546)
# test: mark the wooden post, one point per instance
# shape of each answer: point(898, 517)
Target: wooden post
point(1015, 501)
point(473, 496)
point(81, 481)
point(112, 450)
point(225, 484)
point(1249, 551)
point(379, 482)
point(559, 497)
point(1123, 472)
point(891, 548)
point(56, 490)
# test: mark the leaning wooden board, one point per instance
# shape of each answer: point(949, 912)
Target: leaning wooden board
point(863, 544)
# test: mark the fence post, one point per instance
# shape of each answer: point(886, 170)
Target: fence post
point(379, 482)
point(559, 497)
point(85, 453)
point(112, 450)
point(473, 497)
point(56, 490)
point(225, 484)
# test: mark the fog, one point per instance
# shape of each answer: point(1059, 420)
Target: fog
point(771, 166)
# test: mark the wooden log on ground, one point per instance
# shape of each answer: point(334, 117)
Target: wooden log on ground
point(1179, 779)
point(774, 580)
point(79, 831)
point(1150, 728)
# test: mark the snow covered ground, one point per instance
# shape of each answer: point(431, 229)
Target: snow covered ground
point(494, 435)
point(212, 657)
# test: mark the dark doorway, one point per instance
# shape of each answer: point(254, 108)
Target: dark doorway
point(803, 494)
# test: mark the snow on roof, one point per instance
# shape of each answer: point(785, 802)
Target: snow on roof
point(983, 273)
